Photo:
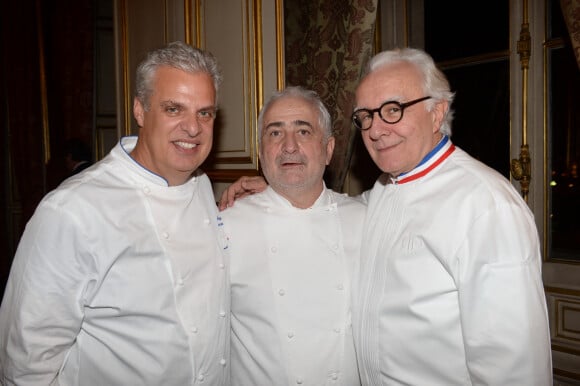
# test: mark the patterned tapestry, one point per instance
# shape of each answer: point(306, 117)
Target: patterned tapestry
point(327, 44)
point(571, 12)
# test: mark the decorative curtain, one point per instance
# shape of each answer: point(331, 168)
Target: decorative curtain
point(62, 30)
point(571, 12)
point(327, 44)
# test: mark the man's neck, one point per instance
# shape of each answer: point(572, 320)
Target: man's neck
point(300, 198)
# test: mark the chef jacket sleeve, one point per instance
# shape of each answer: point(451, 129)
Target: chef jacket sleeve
point(42, 309)
point(502, 302)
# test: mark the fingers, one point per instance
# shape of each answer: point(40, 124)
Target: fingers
point(242, 187)
point(254, 184)
point(228, 195)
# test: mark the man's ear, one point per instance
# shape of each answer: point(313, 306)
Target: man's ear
point(329, 149)
point(138, 112)
point(439, 110)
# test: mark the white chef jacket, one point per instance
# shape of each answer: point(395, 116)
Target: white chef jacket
point(450, 289)
point(119, 279)
point(291, 300)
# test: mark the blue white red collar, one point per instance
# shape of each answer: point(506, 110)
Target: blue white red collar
point(443, 149)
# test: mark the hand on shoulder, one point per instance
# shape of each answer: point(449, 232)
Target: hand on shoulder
point(242, 187)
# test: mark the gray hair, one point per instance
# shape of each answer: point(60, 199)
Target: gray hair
point(435, 83)
point(324, 120)
point(177, 55)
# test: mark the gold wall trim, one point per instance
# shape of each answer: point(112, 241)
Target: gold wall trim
point(43, 95)
point(187, 9)
point(229, 175)
point(259, 54)
point(547, 173)
point(378, 29)
point(124, 54)
point(521, 167)
point(280, 64)
point(165, 22)
point(198, 25)
point(233, 160)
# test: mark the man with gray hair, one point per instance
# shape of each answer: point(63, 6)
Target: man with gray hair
point(450, 287)
point(294, 248)
point(120, 277)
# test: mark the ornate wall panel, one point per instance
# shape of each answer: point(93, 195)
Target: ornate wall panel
point(234, 37)
point(245, 37)
point(564, 307)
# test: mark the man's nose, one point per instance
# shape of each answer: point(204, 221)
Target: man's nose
point(379, 128)
point(191, 125)
point(289, 145)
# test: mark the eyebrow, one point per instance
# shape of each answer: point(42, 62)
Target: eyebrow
point(171, 102)
point(394, 98)
point(297, 122)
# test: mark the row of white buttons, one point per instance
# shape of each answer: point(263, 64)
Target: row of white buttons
point(333, 376)
point(147, 189)
point(275, 249)
point(291, 334)
point(201, 376)
point(165, 235)
point(194, 329)
point(282, 292)
point(181, 281)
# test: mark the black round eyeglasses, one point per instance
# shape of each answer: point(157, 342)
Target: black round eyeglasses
point(390, 112)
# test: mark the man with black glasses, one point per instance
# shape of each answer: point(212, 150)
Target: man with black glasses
point(450, 289)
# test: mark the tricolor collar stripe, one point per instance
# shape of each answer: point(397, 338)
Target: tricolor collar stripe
point(443, 149)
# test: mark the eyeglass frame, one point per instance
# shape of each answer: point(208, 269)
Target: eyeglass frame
point(372, 112)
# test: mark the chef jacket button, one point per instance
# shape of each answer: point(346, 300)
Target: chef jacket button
point(281, 292)
point(222, 265)
point(290, 335)
point(337, 330)
point(200, 377)
point(340, 287)
point(206, 221)
point(222, 314)
point(194, 329)
point(146, 189)
point(335, 247)
point(223, 362)
point(334, 376)
point(274, 249)
point(299, 381)
point(165, 235)
point(180, 282)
